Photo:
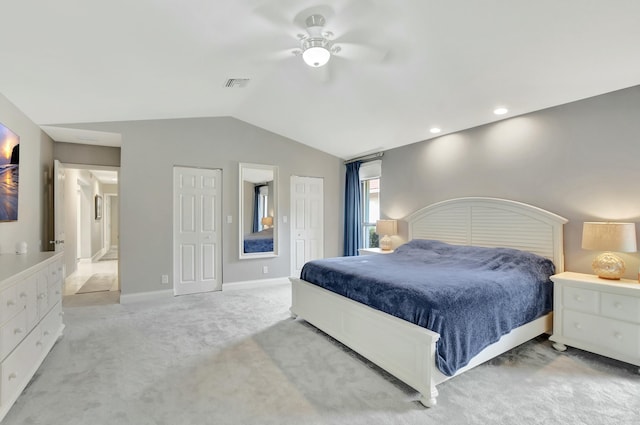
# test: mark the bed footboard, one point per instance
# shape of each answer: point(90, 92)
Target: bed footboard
point(405, 350)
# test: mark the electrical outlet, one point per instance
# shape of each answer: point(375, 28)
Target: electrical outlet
point(265, 269)
point(165, 278)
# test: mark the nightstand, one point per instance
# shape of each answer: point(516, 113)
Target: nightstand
point(372, 251)
point(597, 315)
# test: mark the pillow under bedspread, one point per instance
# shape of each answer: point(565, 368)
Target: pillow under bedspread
point(471, 296)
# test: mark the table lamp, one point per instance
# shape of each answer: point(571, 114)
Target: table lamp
point(386, 228)
point(267, 221)
point(606, 236)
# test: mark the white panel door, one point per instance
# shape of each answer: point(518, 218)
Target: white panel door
point(307, 221)
point(197, 237)
point(58, 206)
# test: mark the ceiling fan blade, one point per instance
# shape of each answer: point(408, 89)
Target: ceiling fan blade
point(361, 52)
point(350, 15)
point(272, 12)
point(283, 54)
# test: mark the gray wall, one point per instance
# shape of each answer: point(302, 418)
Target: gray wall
point(74, 153)
point(580, 160)
point(35, 219)
point(149, 151)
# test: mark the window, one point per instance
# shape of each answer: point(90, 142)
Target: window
point(263, 205)
point(370, 190)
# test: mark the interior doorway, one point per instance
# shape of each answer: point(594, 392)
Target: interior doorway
point(307, 221)
point(88, 198)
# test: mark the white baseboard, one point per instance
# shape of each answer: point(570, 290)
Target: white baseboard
point(231, 286)
point(248, 284)
point(145, 296)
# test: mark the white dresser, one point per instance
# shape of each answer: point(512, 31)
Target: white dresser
point(598, 315)
point(30, 318)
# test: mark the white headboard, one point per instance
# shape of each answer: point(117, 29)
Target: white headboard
point(492, 222)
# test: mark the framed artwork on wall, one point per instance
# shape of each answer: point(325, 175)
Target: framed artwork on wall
point(9, 168)
point(98, 207)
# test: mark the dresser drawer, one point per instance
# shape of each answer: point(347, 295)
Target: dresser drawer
point(55, 272)
point(621, 307)
point(9, 304)
point(580, 299)
point(16, 368)
point(50, 325)
point(54, 293)
point(12, 332)
point(28, 298)
point(614, 335)
point(42, 293)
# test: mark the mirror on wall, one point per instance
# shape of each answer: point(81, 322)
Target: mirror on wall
point(258, 219)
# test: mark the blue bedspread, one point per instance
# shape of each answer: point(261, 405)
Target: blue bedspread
point(471, 296)
point(259, 241)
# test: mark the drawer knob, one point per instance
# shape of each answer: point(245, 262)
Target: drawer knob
point(578, 326)
point(12, 376)
point(17, 331)
point(41, 296)
point(39, 344)
point(46, 333)
point(23, 295)
point(618, 335)
point(618, 305)
point(578, 298)
point(10, 303)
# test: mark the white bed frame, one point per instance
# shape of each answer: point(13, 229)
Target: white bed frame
point(405, 350)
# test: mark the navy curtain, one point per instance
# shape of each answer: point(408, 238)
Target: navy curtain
point(352, 210)
point(256, 208)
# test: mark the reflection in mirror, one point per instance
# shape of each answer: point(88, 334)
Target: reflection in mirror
point(258, 211)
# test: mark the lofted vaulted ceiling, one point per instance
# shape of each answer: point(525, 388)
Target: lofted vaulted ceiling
point(438, 63)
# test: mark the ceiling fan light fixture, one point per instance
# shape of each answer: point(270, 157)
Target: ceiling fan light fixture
point(316, 56)
point(315, 52)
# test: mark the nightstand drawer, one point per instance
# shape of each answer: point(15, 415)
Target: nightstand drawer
point(621, 307)
point(616, 336)
point(580, 299)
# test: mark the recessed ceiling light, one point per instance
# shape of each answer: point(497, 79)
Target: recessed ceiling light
point(435, 130)
point(500, 111)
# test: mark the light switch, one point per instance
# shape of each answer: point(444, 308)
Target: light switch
point(284, 218)
point(229, 219)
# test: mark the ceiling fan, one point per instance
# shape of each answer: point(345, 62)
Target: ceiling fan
point(317, 45)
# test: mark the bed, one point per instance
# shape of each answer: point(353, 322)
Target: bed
point(409, 351)
point(259, 241)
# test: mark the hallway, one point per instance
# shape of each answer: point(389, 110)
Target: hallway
point(74, 282)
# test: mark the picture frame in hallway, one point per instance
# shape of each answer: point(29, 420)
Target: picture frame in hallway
point(98, 207)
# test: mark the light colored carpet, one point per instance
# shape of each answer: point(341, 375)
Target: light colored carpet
point(236, 357)
point(97, 282)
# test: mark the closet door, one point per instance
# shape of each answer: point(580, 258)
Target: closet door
point(307, 221)
point(196, 230)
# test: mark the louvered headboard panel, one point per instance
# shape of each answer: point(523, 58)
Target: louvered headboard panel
point(492, 222)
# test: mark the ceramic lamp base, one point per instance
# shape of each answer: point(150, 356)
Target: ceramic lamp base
point(385, 243)
point(608, 266)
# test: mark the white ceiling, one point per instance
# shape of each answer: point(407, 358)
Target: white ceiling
point(448, 63)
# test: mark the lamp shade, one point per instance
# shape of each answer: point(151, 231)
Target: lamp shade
point(267, 221)
point(386, 227)
point(606, 236)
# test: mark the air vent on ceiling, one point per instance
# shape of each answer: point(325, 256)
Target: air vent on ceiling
point(237, 82)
